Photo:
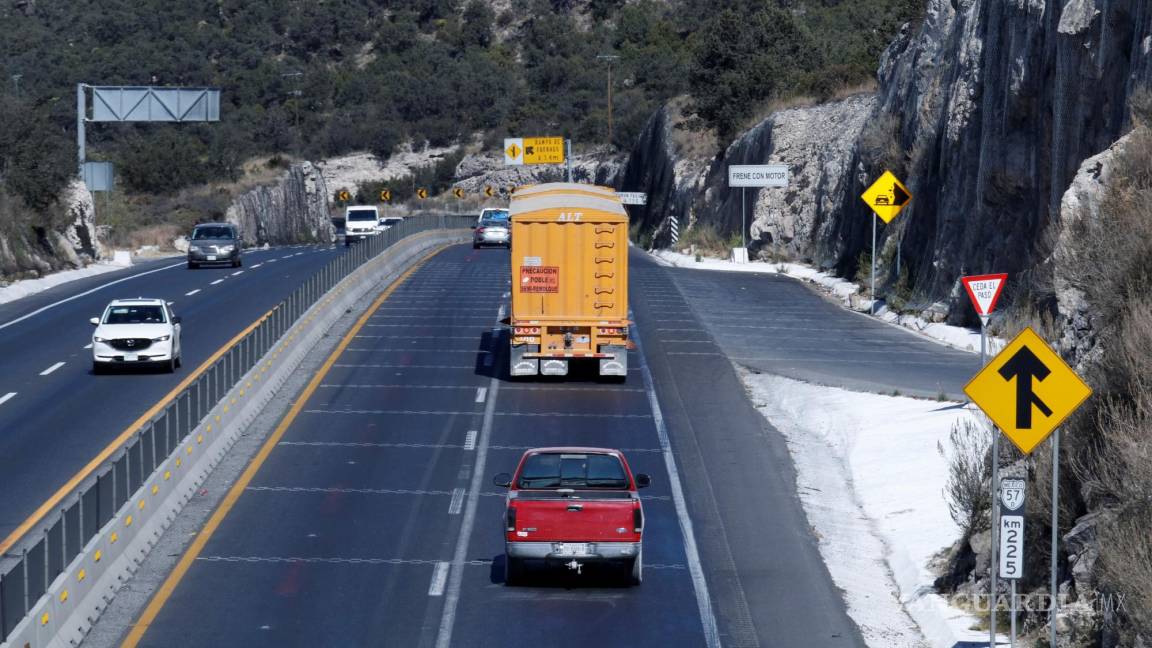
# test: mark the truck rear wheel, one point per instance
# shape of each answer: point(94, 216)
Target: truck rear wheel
point(637, 575)
point(513, 570)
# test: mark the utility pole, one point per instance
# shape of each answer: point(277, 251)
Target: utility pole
point(297, 93)
point(611, 58)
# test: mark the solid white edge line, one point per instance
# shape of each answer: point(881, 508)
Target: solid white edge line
point(189, 294)
point(457, 501)
point(703, 601)
point(52, 368)
point(456, 578)
point(481, 394)
point(439, 577)
point(85, 294)
point(7, 397)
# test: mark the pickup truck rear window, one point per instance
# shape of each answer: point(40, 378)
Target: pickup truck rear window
point(556, 470)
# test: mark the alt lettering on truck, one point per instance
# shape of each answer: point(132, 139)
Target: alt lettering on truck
point(570, 269)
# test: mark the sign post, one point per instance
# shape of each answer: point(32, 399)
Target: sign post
point(757, 176)
point(984, 291)
point(887, 198)
point(1011, 525)
point(1028, 390)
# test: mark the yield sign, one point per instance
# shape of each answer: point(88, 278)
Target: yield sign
point(887, 196)
point(984, 290)
point(1027, 390)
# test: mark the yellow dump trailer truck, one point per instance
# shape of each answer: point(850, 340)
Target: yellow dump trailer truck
point(570, 280)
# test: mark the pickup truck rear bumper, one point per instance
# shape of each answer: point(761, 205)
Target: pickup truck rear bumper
point(550, 551)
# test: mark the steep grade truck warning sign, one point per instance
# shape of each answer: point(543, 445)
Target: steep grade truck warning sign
point(570, 280)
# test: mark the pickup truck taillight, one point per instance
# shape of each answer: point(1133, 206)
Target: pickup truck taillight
point(510, 519)
point(638, 519)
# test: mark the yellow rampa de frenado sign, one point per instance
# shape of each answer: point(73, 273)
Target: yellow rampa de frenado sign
point(1027, 390)
point(887, 196)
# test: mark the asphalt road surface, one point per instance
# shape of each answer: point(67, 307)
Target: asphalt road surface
point(778, 325)
point(55, 415)
point(373, 521)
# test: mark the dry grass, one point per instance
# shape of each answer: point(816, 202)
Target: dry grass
point(708, 240)
point(969, 472)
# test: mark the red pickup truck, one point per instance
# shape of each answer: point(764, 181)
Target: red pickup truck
point(572, 507)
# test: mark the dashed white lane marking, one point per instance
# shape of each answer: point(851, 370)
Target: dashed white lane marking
point(7, 397)
point(481, 393)
point(500, 314)
point(88, 346)
point(270, 261)
point(506, 295)
point(457, 501)
point(298, 254)
point(257, 266)
point(470, 440)
point(85, 294)
point(216, 282)
point(237, 273)
point(286, 256)
point(189, 294)
point(452, 600)
point(439, 579)
point(52, 368)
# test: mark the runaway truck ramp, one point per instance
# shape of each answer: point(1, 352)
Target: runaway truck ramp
point(62, 566)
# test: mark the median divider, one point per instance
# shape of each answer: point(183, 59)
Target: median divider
point(59, 574)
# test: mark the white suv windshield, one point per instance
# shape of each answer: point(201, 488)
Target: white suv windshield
point(362, 215)
point(142, 314)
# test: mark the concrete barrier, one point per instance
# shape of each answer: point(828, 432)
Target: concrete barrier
point(77, 597)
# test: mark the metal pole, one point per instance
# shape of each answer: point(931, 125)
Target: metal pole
point(994, 522)
point(743, 216)
point(1055, 533)
point(1012, 636)
point(994, 566)
point(568, 157)
point(872, 306)
point(80, 110)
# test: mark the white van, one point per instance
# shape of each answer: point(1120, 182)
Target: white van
point(360, 222)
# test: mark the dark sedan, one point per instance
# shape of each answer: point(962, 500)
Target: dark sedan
point(215, 243)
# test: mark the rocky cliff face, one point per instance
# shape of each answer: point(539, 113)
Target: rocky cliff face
point(988, 109)
point(295, 210)
point(479, 170)
point(37, 250)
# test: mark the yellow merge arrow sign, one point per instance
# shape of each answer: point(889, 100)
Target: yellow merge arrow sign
point(887, 196)
point(1027, 390)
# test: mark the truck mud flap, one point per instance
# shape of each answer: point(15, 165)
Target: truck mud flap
point(554, 367)
point(617, 365)
point(521, 366)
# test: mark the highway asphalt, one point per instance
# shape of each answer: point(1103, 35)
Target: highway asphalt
point(373, 521)
point(55, 415)
point(778, 325)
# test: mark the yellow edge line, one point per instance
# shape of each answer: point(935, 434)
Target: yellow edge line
point(182, 567)
point(70, 485)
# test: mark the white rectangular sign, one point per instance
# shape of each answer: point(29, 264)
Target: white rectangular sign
point(758, 175)
point(633, 197)
point(1011, 546)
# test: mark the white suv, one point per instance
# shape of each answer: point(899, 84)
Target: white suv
point(133, 331)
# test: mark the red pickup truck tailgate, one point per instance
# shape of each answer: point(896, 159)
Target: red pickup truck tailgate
point(545, 517)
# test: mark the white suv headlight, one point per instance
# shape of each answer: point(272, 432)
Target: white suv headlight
point(162, 338)
point(99, 339)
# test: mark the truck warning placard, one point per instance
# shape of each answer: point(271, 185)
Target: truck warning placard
point(539, 279)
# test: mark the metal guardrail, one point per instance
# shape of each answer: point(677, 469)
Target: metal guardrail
point(31, 562)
